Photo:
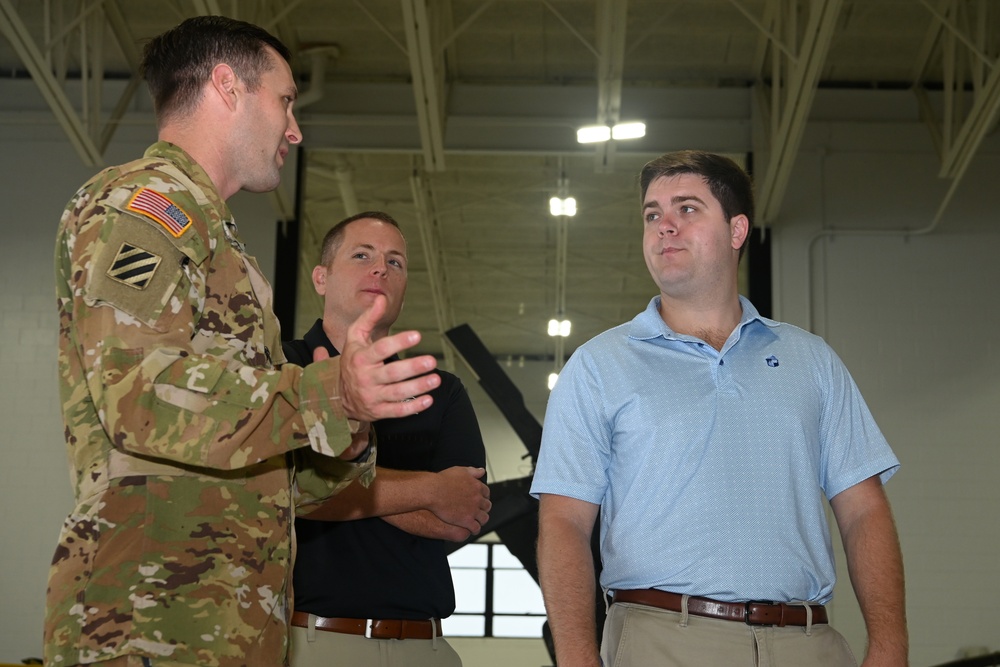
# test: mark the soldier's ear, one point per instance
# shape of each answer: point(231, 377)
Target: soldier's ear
point(319, 280)
point(225, 84)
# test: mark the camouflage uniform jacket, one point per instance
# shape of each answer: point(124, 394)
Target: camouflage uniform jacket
point(178, 426)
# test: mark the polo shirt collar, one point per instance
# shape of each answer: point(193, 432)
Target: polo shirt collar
point(316, 337)
point(648, 324)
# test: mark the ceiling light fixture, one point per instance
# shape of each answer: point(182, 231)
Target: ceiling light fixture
point(552, 380)
point(592, 134)
point(562, 206)
point(628, 131)
point(559, 328)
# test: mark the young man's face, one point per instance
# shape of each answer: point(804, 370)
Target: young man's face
point(370, 260)
point(688, 244)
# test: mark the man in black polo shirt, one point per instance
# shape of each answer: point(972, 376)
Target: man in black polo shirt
point(371, 576)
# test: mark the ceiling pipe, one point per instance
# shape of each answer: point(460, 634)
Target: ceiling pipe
point(345, 184)
point(318, 57)
point(829, 233)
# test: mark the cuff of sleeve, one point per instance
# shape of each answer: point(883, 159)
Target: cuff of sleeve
point(366, 452)
point(317, 478)
point(326, 425)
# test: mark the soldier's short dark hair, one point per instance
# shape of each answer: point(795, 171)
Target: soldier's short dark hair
point(726, 180)
point(177, 63)
point(334, 237)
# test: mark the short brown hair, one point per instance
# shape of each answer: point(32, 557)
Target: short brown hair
point(177, 63)
point(334, 237)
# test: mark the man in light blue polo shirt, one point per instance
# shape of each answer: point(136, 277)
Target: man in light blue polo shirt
point(708, 436)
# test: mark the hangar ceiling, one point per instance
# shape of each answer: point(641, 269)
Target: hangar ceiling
point(459, 118)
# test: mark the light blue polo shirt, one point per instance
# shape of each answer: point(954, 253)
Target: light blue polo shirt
point(710, 467)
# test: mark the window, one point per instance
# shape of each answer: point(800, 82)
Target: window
point(494, 595)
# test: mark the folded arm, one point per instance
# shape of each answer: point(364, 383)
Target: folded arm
point(451, 504)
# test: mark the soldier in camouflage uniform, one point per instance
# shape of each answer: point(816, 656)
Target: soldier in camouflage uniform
point(180, 425)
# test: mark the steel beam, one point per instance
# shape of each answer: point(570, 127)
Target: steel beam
point(437, 273)
point(427, 82)
point(791, 108)
point(17, 34)
point(963, 133)
point(611, 27)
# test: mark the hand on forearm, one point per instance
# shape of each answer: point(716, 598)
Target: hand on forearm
point(458, 497)
point(359, 443)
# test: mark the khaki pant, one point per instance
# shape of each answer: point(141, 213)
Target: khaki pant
point(639, 636)
point(320, 648)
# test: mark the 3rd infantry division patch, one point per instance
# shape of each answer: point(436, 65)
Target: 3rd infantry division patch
point(133, 266)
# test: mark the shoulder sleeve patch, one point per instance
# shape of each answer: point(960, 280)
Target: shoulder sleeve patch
point(158, 208)
point(137, 270)
point(133, 266)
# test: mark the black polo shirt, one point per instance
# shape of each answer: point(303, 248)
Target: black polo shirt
point(368, 568)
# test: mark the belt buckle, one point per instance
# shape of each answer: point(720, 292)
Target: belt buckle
point(746, 611)
point(368, 627)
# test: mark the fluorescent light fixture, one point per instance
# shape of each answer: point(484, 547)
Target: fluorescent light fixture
point(552, 380)
point(628, 131)
point(565, 206)
point(559, 327)
point(592, 134)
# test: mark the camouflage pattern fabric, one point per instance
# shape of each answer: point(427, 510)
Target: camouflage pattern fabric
point(179, 428)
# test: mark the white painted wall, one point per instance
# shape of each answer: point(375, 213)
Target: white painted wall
point(34, 480)
point(914, 318)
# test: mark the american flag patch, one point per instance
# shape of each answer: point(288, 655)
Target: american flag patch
point(134, 266)
point(155, 206)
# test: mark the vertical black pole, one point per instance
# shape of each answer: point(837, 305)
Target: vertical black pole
point(758, 259)
point(488, 615)
point(286, 258)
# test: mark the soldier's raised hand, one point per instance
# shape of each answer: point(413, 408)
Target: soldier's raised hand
point(371, 389)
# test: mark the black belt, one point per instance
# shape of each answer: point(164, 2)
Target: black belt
point(372, 627)
point(751, 613)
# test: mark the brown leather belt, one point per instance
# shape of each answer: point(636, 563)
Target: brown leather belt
point(751, 613)
point(372, 627)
